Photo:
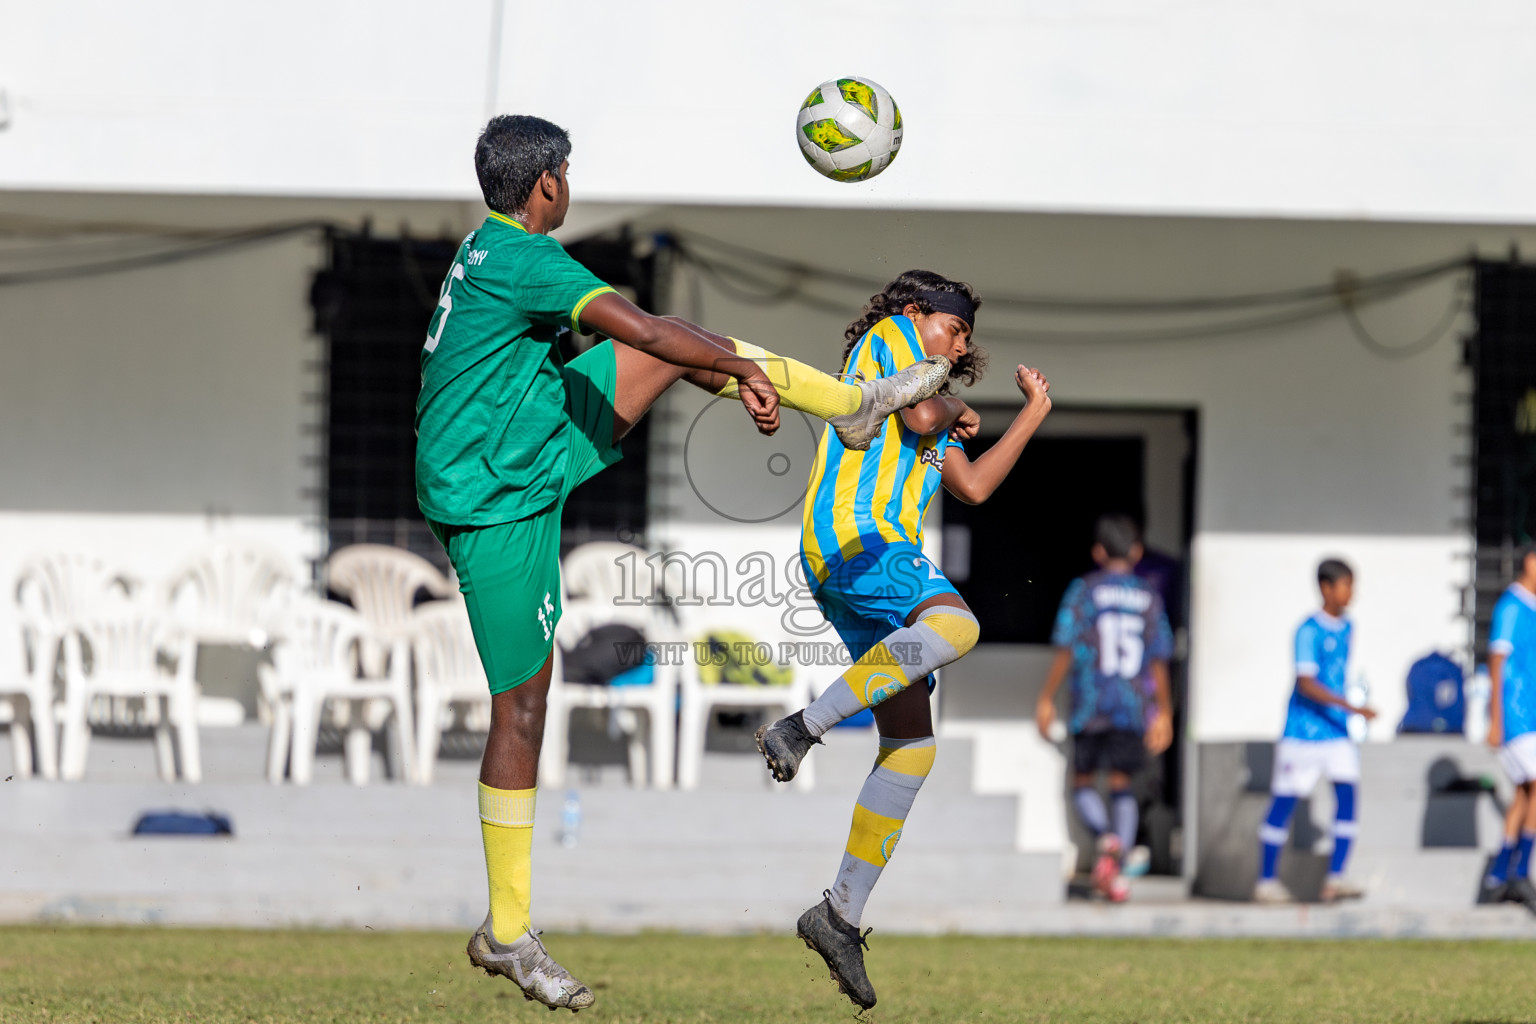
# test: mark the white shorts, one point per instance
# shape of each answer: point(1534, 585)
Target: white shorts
point(1299, 764)
point(1518, 758)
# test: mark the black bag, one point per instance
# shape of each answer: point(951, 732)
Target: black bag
point(605, 652)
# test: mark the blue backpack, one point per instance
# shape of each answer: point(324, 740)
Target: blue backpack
point(1435, 699)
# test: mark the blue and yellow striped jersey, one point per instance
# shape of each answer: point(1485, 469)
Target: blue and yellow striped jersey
point(861, 501)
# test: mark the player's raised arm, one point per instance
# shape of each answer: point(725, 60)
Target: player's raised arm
point(679, 343)
point(974, 482)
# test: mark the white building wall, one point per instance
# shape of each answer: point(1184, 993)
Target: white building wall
point(1379, 109)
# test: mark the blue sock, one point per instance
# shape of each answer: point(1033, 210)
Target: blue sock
point(1520, 863)
point(1090, 810)
point(1272, 834)
point(1343, 825)
point(1123, 806)
point(1499, 873)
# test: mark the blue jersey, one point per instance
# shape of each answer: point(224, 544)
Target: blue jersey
point(1115, 627)
point(1514, 636)
point(1322, 652)
point(861, 501)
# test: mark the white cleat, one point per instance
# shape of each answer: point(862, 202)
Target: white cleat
point(1336, 890)
point(529, 966)
point(886, 395)
point(1272, 892)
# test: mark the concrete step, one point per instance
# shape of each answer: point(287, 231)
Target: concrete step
point(395, 856)
point(731, 761)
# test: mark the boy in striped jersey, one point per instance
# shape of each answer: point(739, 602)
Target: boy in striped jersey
point(861, 548)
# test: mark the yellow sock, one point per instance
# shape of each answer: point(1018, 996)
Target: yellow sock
point(506, 825)
point(799, 386)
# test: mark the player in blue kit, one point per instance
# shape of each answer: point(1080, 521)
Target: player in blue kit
point(1112, 638)
point(1512, 731)
point(1316, 740)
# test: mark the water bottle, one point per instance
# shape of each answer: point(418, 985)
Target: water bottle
point(1358, 693)
point(570, 819)
point(1479, 691)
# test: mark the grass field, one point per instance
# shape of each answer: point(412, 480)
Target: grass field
point(131, 975)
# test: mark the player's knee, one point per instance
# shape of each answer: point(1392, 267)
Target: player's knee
point(955, 626)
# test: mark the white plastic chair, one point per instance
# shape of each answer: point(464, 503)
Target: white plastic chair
point(448, 672)
point(26, 689)
point(700, 700)
point(601, 582)
point(127, 638)
point(52, 593)
point(316, 662)
point(229, 593)
point(382, 583)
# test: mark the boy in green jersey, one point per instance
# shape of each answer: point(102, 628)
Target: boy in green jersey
point(505, 432)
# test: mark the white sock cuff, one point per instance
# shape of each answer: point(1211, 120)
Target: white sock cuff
point(508, 808)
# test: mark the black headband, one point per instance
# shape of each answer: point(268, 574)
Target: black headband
point(951, 302)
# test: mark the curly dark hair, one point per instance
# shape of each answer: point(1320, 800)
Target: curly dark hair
point(901, 293)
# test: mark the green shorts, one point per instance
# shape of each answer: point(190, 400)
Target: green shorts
point(510, 573)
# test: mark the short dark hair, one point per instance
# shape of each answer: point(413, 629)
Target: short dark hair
point(1331, 570)
point(1117, 535)
point(514, 151)
point(1523, 552)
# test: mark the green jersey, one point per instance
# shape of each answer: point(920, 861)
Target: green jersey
point(492, 427)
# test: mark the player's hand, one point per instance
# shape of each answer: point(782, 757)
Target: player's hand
point(760, 398)
point(1369, 714)
point(1045, 717)
point(1035, 387)
point(1160, 733)
point(967, 425)
point(1495, 734)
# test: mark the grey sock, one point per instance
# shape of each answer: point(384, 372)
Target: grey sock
point(1090, 810)
point(888, 793)
point(1123, 806)
point(916, 650)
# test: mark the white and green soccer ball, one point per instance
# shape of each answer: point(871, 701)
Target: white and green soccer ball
point(849, 129)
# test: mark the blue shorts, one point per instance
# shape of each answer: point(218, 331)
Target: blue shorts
point(870, 595)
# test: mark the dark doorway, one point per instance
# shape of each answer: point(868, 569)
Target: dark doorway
point(1033, 536)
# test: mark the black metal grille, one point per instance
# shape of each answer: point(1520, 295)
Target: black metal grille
point(1502, 355)
point(372, 304)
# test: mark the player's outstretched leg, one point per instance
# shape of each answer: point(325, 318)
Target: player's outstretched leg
point(856, 411)
point(941, 634)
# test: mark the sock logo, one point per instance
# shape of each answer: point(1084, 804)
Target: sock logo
point(880, 686)
point(888, 845)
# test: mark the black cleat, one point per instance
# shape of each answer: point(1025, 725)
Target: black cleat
point(1491, 892)
point(784, 745)
point(842, 947)
point(1521, 891)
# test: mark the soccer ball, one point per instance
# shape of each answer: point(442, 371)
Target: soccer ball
point(849, 129)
